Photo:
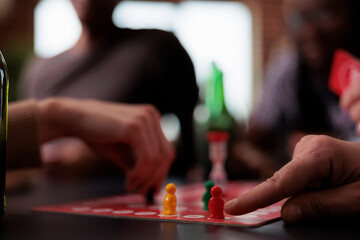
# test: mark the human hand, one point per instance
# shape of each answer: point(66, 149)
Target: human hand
point(71, 158)
point(112, 130)
point(323, 179)
point(350, 102)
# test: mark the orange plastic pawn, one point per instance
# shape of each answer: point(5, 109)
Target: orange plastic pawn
point(170, 200)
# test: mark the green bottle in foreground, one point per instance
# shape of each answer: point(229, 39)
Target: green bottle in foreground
point(3, 128)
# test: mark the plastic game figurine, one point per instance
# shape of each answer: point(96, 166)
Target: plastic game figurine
point(170, 200)
point(216, 203)
point(207, 195)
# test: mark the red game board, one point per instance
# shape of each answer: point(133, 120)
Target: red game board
point(189, 207)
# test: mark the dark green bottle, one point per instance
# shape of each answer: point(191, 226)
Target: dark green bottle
point(220, 119)
point(3, 126)
point(220, 127)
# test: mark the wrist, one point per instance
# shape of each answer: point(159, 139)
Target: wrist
point(50, 119)
point(23, 133)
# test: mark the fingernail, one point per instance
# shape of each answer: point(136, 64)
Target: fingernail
point(292, 213)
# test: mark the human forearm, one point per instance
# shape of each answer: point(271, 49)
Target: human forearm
point(23, 139)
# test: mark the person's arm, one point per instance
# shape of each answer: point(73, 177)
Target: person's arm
point(129, 135)
point(23, 139)
point(323, 179)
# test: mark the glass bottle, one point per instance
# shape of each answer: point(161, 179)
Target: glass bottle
point(220, 126)
point(220, 119)
point(3, 128)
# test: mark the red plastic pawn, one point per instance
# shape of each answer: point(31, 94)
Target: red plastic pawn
point(216, 203)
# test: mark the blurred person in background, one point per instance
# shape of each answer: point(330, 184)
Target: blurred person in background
point(119, 65)
point(296, 100)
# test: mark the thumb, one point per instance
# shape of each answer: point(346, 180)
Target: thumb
point(339, 201)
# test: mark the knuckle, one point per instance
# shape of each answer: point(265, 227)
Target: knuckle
point(276, 183)
point(318, 153)
point(303, 143)
point(319, 143)
point(143, 117)
point(281, 181)
point(306, 139)
point(151, 110)
point(148, 108)
point(51, 104)
point(134, 126)
point(321, 153)
point(274, 179)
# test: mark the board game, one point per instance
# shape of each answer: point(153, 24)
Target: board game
point(189, 207)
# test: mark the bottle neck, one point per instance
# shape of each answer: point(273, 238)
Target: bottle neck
point(219, 94)
point(217, 104)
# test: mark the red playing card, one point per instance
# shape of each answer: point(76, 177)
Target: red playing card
point(345, 69)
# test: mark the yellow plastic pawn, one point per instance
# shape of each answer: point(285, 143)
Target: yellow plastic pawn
point(170, 200)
